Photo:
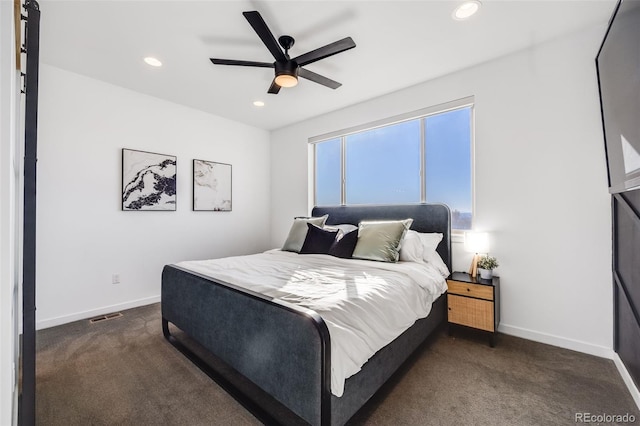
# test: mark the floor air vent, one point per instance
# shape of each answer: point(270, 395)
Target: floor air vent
point(105, 317)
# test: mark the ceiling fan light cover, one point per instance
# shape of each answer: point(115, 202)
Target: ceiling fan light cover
point(286, 80)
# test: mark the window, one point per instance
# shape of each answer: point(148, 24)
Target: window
point(426, 157)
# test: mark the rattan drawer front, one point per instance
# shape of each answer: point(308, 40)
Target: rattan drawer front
point(472, 290)
point(471, 312)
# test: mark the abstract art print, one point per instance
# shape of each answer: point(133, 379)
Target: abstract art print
point(211, 186)
point(148, 181)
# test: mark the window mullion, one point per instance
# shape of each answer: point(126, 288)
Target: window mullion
point(423, 162)
point(343, 171)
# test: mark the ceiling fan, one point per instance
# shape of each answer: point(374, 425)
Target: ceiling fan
point(288, 70)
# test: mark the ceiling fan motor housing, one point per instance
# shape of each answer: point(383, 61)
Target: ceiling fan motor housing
point(288, 68)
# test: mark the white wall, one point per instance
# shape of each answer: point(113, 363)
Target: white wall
point(9, 180)
point(541, 185)
point(84, 237)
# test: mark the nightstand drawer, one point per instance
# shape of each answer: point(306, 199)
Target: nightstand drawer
point(470, 290)
point(471, 312)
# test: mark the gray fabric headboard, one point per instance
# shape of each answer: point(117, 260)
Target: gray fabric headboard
point(426, 218)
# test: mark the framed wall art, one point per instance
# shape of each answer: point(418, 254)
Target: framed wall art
point(211, 186)
point(148, 181)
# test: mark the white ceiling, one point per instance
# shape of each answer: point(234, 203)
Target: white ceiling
point(399, 44)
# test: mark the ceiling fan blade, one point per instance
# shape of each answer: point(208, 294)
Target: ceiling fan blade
point(274, 89)
point(260, 27)
point(241, 63)
point(317, 78)
point(325, 51)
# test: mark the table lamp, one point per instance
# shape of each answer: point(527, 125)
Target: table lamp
point(476, 242)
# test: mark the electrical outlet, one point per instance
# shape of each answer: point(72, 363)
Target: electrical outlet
point(115, 279)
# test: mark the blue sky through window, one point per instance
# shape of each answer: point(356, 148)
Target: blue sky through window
point(383, 165)
point(328, 174)
point(448, 163)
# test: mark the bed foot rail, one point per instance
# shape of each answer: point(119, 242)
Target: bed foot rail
point(256, 410)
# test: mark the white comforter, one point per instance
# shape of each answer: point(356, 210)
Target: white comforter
point(365, 304)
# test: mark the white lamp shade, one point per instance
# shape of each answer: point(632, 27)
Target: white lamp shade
point(476, 242)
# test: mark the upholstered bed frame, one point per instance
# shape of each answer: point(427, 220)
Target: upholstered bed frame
point(285, 349)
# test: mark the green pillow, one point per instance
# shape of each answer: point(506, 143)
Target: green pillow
point(298, 232)
point(380, 240)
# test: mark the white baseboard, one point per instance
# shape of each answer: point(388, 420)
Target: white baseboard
point(52, 322)
point(562, 342)
point(633, 389)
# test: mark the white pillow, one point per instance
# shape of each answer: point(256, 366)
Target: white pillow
point(430, 242)
point(342, 229)
point(411, 249)
point(433, 258)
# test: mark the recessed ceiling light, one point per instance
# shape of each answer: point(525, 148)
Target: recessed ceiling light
point(153, 61)
point(466, 10)
point(258, 103)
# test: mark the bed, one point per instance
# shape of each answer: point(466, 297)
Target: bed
point(285, 349)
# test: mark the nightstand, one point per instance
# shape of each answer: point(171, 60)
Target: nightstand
point(474, 302)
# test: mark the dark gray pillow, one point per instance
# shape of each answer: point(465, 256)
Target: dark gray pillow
point(345, 245)
point(380, 240)
point(318, 240)
point(298, 232)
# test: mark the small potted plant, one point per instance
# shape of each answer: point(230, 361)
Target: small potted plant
point(486, 265)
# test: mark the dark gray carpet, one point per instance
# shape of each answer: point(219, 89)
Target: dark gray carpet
point(123, 372)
